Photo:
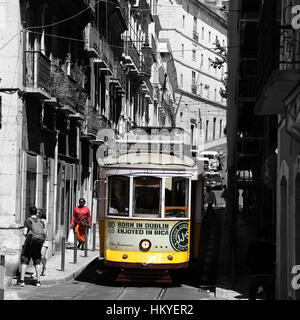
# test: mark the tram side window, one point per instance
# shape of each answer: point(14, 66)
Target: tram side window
point(118, 196)
point(147, 191)
point(176, 197)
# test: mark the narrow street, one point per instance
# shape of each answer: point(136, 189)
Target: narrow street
point(191, 284)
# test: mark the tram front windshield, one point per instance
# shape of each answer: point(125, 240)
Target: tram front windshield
point(147, 197)
point(118, 196)
point(176, 197)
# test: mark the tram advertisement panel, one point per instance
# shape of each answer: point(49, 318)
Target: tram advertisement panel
point(164, 236)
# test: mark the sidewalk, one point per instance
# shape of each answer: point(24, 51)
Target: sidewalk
point(235, 288)
point(54, 275)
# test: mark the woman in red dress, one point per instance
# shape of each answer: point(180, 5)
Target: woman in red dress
point(80, 221)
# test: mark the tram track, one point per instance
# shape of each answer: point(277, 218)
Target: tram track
point(161, 294)
point(118, 293)
point(125, 293)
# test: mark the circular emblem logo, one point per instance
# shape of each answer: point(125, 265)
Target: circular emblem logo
point(179, 236)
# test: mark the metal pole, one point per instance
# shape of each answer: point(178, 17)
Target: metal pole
point(94, 236)
point(63, 247)
point(86, 241)
point(2, 275)
point(75, 247)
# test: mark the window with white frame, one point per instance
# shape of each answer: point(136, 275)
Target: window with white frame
point(146, 196)
point(176, 197)
point(118, 195)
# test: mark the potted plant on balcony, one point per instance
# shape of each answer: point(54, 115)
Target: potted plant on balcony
point(67, 85)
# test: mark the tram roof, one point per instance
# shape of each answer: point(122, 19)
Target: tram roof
point(149, 160)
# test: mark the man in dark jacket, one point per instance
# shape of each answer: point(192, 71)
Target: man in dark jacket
point(34, 237)
point(261, 258)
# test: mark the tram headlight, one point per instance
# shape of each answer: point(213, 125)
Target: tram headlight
point(145, 245)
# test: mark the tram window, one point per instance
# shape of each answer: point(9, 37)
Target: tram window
point(176, 197)
point(118, 196)
point(147, 192)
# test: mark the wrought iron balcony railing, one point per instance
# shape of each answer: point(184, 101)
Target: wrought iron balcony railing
point(37, 73)
point(107, 54)
point(289, 57)
point(196, 36)
point(147, 88)
point(119, 76)
point(68, 89)
point(92, 122)
point(194, 88)
point(92, 41)
point(131, 51)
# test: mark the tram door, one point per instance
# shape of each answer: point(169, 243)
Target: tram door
point(197, 203)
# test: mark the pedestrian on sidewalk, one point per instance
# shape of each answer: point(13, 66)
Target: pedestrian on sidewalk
point(210, 199)
point(224, 194)
point(261, 257)
point(45, 246)
point(80, 221)
point(34, 238)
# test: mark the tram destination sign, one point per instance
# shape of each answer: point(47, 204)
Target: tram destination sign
point(164, 236)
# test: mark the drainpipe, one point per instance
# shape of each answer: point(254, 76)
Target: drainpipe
point(79, 191)
point(55, 191)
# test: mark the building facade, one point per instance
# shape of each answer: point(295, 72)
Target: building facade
point(279, 97)
point(192, 29)
point(263, 125)
point(68, 70)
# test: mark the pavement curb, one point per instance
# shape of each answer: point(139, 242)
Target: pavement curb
point(68, 277)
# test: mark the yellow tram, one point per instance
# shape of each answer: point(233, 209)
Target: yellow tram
point(147, 218)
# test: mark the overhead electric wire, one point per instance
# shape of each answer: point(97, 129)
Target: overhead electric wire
point(5, 44)
point(115, 46)
point(81, 12)
point(66, 19)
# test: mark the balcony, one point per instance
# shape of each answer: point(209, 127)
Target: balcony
point(92, 124)
point(279, 76)
point(118, 11)
point(145, 67)
point(37, 74)
point(146, 60)
point(92, 41)
point(147, 89)
point(196, 36)
point(106, 57)
point(67, 89)
point(293, 113)
point(131, 55)
point(118, 79)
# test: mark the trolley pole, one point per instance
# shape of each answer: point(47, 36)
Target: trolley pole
point(75, 247)
point(2, 276)
point(86, 242)
point(63, 246)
